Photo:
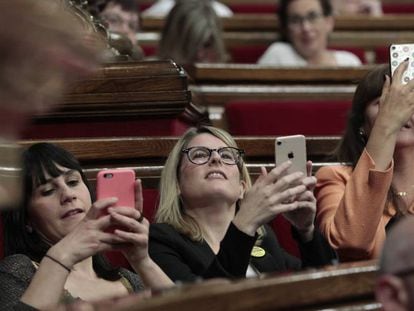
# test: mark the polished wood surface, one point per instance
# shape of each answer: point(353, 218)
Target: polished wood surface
point(342, 287)
point(128, 90)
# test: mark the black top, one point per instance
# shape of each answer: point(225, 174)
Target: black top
point(16, 273)
point(183, 259)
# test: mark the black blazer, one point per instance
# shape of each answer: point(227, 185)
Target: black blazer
point(183, 259)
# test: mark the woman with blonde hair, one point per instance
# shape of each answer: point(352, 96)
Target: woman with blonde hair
point(211, 219)
point(192, 33)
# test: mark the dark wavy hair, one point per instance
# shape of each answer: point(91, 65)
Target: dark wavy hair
point(282, 15)
point(38, 160)
point(369, 88)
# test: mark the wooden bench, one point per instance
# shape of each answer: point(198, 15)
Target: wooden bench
point(123, 99)
point(344, 287)
point(217, 86)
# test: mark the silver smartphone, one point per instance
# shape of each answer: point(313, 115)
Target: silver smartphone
point(399, 53)
point(291, 148)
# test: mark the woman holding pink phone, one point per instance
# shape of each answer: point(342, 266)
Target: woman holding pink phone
point(358, 202)
point(211, 220)
point(53, 243)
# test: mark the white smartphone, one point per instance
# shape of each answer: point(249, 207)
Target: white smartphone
point(399, 53)
point(291, 148)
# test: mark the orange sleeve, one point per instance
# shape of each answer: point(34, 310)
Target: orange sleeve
point(351, 204)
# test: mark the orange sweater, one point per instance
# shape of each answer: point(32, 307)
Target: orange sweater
point(352, 208)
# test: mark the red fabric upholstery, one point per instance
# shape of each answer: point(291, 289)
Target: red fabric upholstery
point(398, 8)
point(247, 54)
point(253, 8)
point(287, 118)
point(382, 55)
point(282, 228)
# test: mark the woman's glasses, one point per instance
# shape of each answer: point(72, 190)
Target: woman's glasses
point(296, 21)
point(201, 155)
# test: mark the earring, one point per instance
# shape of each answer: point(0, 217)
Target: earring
point(361, 132)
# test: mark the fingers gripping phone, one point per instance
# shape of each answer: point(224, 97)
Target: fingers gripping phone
point(398, 54)
point(119, 183)
point(292, 148)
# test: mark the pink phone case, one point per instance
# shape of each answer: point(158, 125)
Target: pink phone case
point(118, 183)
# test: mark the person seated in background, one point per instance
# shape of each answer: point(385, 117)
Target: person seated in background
point(395, 283)
point(121, 17)
point(360, 199)
point(54, 242)
point(192, 33)
point(305, 26)
point(357, 7)
point(210, 221)
point(162, 7)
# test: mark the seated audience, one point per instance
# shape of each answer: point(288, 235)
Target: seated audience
point(211, 221)
point(122, 19)
point(163, 7)
point(40, 55)
point(395, 284)
point(53, 243)
point(192, 33)
point(305, 26)
point(357, 7)
point(358, 200)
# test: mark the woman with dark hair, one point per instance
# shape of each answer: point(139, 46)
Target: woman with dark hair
point(305, 26)
point(53, 243)
point(359, 199)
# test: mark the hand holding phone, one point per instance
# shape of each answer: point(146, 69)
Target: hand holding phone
point(119, 183)
point(292, 148)
point(398, 54)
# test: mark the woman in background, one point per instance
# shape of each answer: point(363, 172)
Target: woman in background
point(305, 26)
point(192, 33)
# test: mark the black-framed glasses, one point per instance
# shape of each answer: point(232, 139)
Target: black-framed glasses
point(297, 20)
point(201, 155)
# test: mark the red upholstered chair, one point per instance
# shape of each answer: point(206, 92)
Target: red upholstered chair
point(398, 8)
point(287, 117)
point(382, 55)
point(248, 54)
point(254, 8)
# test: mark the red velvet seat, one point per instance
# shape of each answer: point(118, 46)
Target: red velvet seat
point(287, 118)
point(398, 8)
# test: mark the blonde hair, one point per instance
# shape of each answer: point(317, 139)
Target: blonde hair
point(189, 27)
point(170, 210)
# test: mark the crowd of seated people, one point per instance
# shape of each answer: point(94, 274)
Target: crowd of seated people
point(211, 220)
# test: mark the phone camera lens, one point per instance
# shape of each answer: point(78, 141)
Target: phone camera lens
point(279, 143)
point(108, 175)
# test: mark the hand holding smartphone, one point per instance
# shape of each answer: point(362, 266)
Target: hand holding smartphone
point(292, 148)
point(119, 183)
point(398, 54)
